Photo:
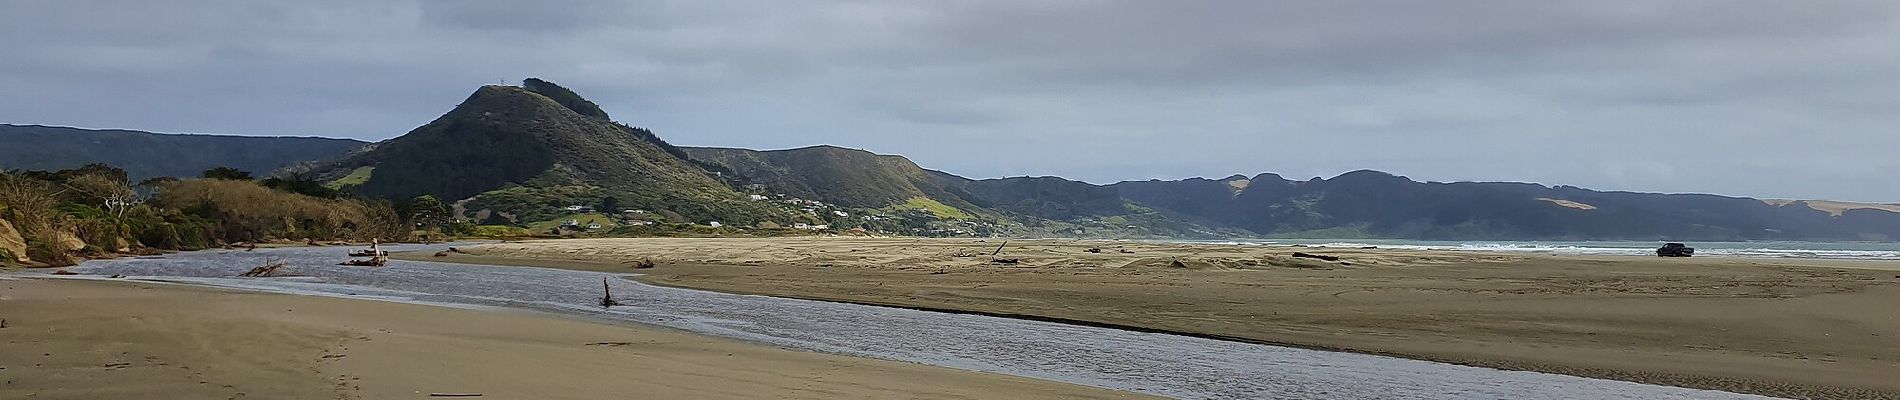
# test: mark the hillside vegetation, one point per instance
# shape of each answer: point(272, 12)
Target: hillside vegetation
point(848, 177)
point(53, 217)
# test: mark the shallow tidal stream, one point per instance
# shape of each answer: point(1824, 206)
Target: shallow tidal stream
point(1161, 364)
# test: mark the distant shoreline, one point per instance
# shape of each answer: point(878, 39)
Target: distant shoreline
point(1761, 250)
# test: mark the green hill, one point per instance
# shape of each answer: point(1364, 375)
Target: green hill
point(515, 150)
point(847, 177)
point(1048, 197)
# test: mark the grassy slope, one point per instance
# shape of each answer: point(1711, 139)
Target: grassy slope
point(847, 177)
point(936, 208)
point(356, 178)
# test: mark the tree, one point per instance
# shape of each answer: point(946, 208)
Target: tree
point(149, 186)
point(429, 212)
point(563, 96)
point(609, 205)
point(29, 202)
point(110, 192)
point(495, 218)
point(301, 183)
point(227, 173)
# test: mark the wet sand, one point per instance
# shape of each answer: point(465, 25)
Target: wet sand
point(1798, 328)
point(94, 339)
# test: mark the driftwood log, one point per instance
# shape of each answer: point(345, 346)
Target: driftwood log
point(263, 270)
point(607, 295)
point(374, 262)
point(1316, 256)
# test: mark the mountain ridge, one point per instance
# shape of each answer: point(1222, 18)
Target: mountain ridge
point(531, 151)
point(145, 154)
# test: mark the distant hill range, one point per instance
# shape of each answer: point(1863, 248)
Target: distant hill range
point(534, 152)
point(146, 154)
point(864, 180)
point(1360, 204)
point(1377, 204)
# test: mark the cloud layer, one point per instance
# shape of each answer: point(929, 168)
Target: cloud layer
point(1758, 98)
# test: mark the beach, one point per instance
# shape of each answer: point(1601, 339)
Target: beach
point(70, 339)
point(1786, 327)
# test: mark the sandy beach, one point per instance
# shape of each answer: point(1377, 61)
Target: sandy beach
point(98, 339)
point(1796, 328)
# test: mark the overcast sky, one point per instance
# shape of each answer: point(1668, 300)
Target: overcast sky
point(1797, 99)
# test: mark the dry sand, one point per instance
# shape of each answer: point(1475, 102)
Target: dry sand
point(1801, 328)
point(126, 340)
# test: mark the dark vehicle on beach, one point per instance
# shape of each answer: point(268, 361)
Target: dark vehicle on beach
point(1675, 250)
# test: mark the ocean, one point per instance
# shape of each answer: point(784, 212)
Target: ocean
point(1767, 249)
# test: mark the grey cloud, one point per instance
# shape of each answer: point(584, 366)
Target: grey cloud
point(1762, 98)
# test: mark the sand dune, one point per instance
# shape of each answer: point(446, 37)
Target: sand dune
point(1836, 208)
point(1804, 328)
